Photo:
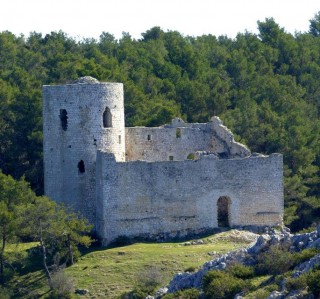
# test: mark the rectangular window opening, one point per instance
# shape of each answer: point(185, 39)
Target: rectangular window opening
point(178, 133)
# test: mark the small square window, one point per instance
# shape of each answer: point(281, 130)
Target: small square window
point(170, 158)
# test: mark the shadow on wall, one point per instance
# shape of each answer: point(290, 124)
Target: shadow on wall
point(224, 204)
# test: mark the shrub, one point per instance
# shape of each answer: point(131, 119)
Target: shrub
point(304, 255)
point(296, 283)
point(136, 293)
point(191, 156)
point(313, 282)
point(259, 294)
point(241, 271)
point(185, 294)
point(219, 285)
point(5, 293)
point(275, 260)
point(62, 286)
point(146, 283)
point(211, 275)
point(272, 287)
point(150, 278)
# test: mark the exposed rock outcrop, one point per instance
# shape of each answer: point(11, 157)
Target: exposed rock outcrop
point(248, 256)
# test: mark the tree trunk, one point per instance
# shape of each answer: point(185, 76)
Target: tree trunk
point(2, 256)
point(70, 250)
point(44, 257)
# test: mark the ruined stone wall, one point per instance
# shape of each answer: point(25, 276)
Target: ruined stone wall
point(74, 130)
point(163, 143)
point(156, 192)
point(176, 198)
point(178, 140)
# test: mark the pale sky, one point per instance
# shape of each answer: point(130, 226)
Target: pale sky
point(89, 18)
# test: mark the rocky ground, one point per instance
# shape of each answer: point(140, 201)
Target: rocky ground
point(248, 256)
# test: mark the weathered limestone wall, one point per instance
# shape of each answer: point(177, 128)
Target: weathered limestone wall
point(73, 132)
point(176, 198)
point(177, 140)
point(156, 192)
point(159, 144)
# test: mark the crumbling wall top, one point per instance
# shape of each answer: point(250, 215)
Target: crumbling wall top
point(235, 149)
point(178, 122)
point(86, 80)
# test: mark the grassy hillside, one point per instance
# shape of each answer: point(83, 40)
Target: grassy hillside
point(109, 273)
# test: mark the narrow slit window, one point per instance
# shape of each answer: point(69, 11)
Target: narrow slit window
point(119, 139)
point(107, 118)
point(178, 133)
point(81, 167)
point(64, 119)
point(149, 137)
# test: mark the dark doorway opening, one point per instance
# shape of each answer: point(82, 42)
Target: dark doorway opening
point(223, 204)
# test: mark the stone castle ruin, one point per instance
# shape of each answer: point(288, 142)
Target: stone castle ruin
point(158, 183)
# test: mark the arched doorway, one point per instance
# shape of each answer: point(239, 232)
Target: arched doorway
point(224, 203)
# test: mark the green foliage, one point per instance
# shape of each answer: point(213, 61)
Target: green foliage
point(184, 294)
point(150, 278)
point(146, 283)
point(14, 195)
point(261, 294)
point(136, 293)
point(304, 255)
point(272, 287)
point(297, 283)
point(241, 271)
point(315, 25)
point(274, 261)
point(62, 286)
point(191, 156)
point(57, 229)
point(5, 293)
point(313, 282)
point(23, 215)
point(264, 87)
point(218, 284)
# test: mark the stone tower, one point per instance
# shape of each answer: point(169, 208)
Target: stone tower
point(79, 119)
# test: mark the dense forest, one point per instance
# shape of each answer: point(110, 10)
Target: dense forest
point(265, 87)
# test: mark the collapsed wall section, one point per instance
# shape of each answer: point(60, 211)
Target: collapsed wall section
point(178, 198)
point(181, 141)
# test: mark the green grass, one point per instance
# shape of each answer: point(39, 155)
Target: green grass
point(108, 273)
point(112, 272)
point(20, 247)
